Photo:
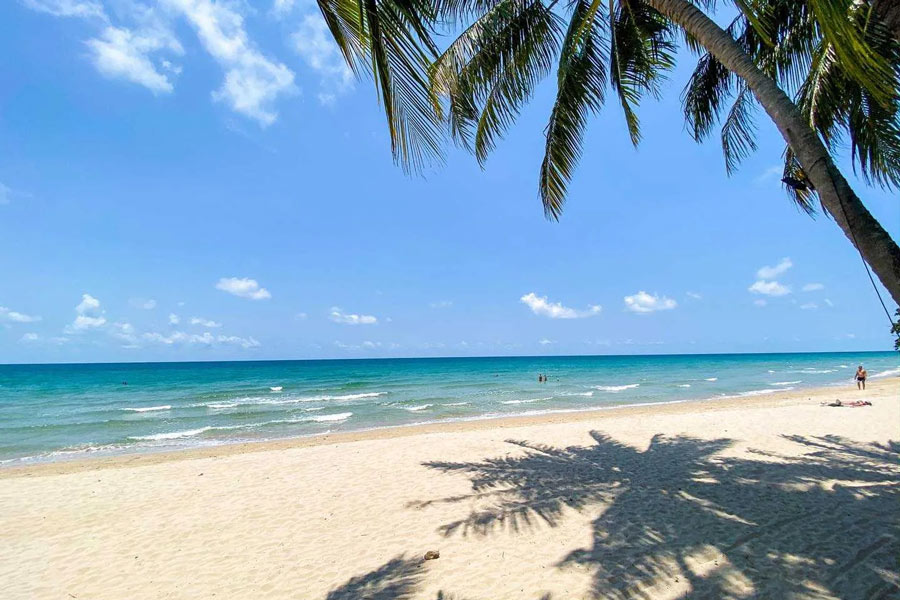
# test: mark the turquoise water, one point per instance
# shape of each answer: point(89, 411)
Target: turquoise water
point(53, 412)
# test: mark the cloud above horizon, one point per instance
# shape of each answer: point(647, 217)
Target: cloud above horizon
point(541, 306)
point(243, 287)
point(339, 316)
point(772, 272)
point(643, 303)
point(204, 322)
point(134, 42)
point(89, 315)
point(16, 317)
point(769, 288)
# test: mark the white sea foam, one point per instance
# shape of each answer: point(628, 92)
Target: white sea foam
point(760, 392)
point(174, 435)
point(417, 407)
point(771, 371)
point(528, 401)
point(455, 404)
point(220, 405)
point(148, 408)
point(684, 385)
point(711, 379)
point(817, 371)
point(276, 388)
point(616, 388)
point(300, 399)
point(334, 417)
point(888, 373)
point(585, 394)
point(787, 382)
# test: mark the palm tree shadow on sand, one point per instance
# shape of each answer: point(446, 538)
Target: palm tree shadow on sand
point(822, 525)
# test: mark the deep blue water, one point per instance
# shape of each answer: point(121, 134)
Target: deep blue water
point(51, 412)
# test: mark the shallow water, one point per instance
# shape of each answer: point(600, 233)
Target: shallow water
point(52, 412)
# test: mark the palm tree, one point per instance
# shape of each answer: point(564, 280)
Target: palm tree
point(480, 82)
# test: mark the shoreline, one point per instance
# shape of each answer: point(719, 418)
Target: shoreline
point(460, 425)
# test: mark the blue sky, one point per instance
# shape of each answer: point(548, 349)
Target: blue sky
point(188, 180)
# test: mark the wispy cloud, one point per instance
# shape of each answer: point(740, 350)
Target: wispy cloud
point(314, 43)
point(143, 303)
point(204, 339)
point(642, 302)
point(809, 306)
point(253, 82)
point(16, 317)
point(339, 316)
point(30, 337)
point(769, 288)
point(120, 53)
point(759, 302)
point(545, 342)
point(813, 287)
point(243, 287)
point(772, 173)
point(540, 305)
point(174, 319)
point(83, 9)
point(694, 295)
point(204, 322)
point(772, 272)
point(441, 304)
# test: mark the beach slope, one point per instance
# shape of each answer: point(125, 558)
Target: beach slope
point(770, 497)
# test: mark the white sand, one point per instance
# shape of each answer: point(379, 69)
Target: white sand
point(772, 497)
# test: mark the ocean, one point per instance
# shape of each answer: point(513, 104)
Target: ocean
point(58, 412)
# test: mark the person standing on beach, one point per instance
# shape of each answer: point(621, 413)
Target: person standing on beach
point(861, 375)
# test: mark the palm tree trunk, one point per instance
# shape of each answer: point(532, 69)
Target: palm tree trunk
point(857, 223)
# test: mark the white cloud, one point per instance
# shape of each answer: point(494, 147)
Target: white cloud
point(174, 319)
point(809, 306)
point(769, 288)
point(204, 322)
point(144, 304)
point(252, 81)
point(441, 304)
point(642, 302)
point(539, 305)
point(813, 287)
point(339, 316)
point(88, 304)
point(89, 315)
point(204, 339)
point(301, 316)
point(30, 337)
point(769, 174)
point(694, 295)
point(84, 322)
point(281, 8)
point(772, 272)
point(243, 287)
point(16, 317)
point(828, 302)
point(126, 333)
point(316, 46)
point(759, 302)
point(545, 342)
point(84, 9)
point(120, 53)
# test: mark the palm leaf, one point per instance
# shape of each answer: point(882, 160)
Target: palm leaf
point(581, 83)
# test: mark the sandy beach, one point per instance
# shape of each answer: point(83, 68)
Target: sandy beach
point(769, 497)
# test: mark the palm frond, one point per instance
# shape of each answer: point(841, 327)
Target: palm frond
point(739, 130)
point(581, 83)
point(642, 49)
